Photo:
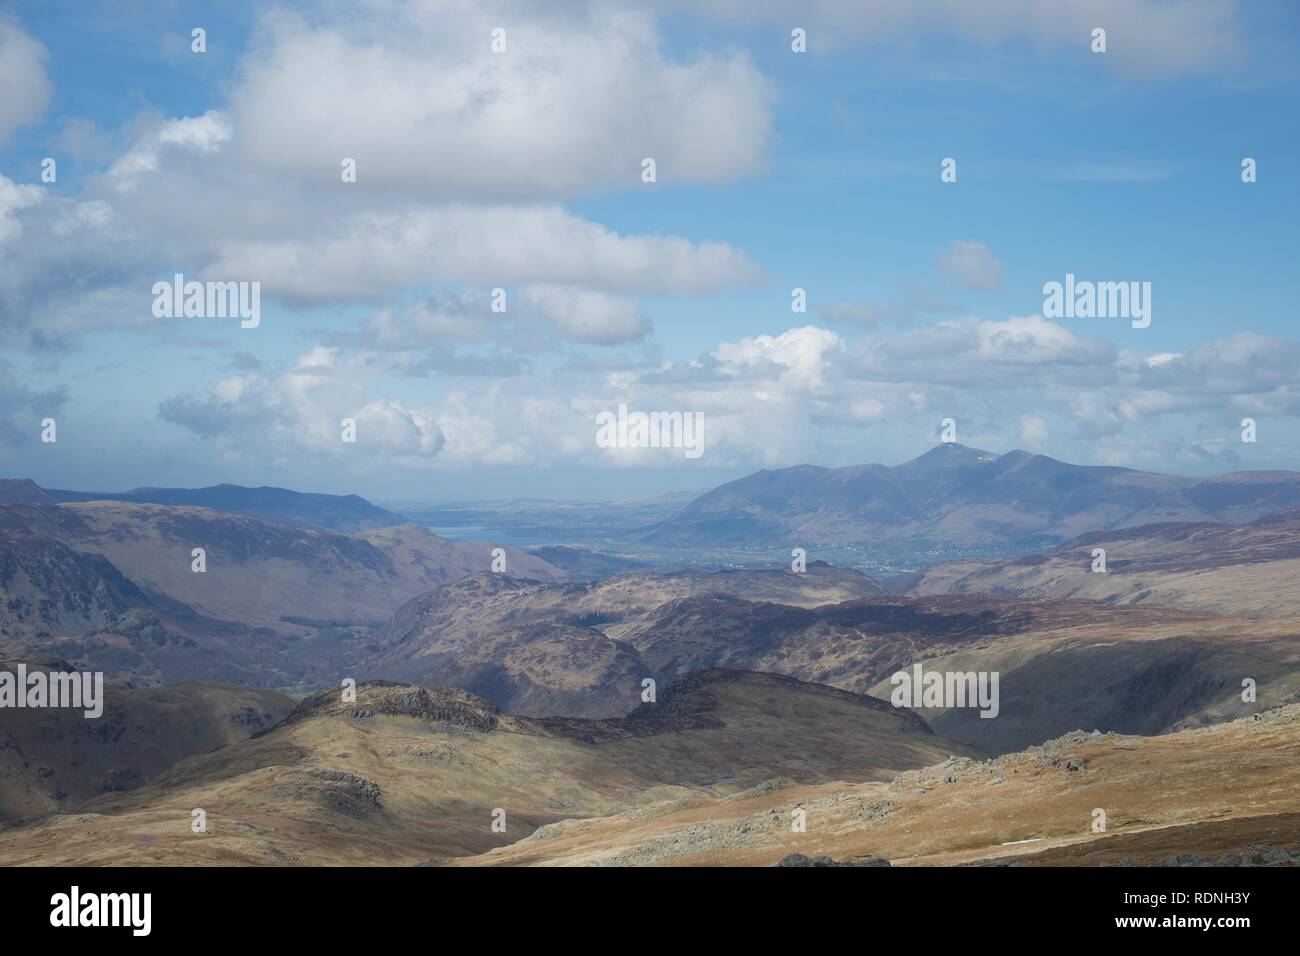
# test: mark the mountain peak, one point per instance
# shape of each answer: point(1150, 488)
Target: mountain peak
point(946, 454)
point(23, 491)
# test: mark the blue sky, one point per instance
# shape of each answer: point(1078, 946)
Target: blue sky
point(520, 170)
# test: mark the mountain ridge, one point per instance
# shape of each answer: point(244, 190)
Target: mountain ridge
point(953, 496)
point(1245, 569)
point(343, 513)
point(115, 584)
point(407, 775)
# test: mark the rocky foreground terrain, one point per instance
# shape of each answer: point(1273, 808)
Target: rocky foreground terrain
point(1222, 795)
point(499, 717)
point(716, 772)
point(403, 775)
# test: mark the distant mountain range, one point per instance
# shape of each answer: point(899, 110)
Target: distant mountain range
point(954, 497)
point(344, 513)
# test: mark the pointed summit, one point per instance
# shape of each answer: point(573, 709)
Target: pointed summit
point(23, 491)
point(944, 456)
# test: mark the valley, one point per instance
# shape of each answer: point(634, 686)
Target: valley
point(603, 708)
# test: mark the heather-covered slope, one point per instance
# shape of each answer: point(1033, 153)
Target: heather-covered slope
point(1248, 570)
point(55, 759)
point(1178, 799)
point(404, 775)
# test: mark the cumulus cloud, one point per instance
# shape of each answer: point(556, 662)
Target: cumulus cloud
point(799, 355)
point(394, 431)
point(768, 400)
point(200, 135)
point(442, 320)
point(1006, 353)
point(310, 249)
point(523, 321)
point(374, 255)
point(24, 87)
point(280, 415)
point(465, 161)
point(1244, 374)
point(69, 265)
point(973, 266)
point(1033, 340)
point(463, 157)
point(417, 96)
point(584, 315)
point(13, 198)
point(1246, 363)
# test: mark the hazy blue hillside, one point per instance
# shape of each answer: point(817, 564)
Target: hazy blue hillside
point(959, 497)
point(336, 512)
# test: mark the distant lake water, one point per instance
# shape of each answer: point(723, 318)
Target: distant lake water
point(473, 532)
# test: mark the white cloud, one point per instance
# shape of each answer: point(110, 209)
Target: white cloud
point(1034, 431)
point(415, 94)
point(279, 416)
point(1162, 358)
point(799, 355)
point(250, 190)
point(200, 135)
point(14, 197)
point(68, 266)
point(373, 256)
point(974, 352)
point(582, 315)
point(1033, 340)
point(390, 429)
point(532, 316)
point(314, 245)
point(24, 87)
point(768, 400)
point(317, 357)
point(444, 318)
point(972, 264)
